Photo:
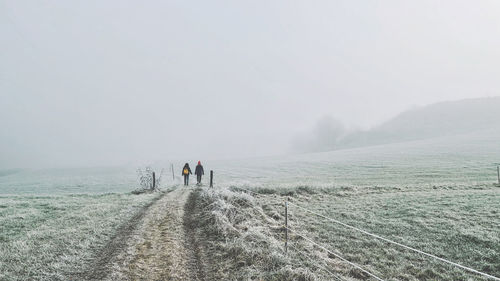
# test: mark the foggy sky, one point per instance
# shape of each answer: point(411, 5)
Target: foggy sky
point(111, 82)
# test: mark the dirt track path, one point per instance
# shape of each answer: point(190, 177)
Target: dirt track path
point(164, 246)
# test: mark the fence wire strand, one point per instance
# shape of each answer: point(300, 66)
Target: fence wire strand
point(398, 244)
point(380, 238)
point(301, 252)
point(336, 255)
point(336, 276)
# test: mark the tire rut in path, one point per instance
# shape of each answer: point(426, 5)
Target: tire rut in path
point(195, 262)
point(100, 268)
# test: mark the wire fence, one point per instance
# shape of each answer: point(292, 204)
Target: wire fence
point(337, 255)
point(317, 245)
point(485, 275)
point(397, 244)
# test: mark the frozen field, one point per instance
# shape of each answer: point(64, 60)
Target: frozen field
point(456, 223)
point(438, 196)
point(67, 181)
point(458, 160)
point(53, 221)
point(435, 195)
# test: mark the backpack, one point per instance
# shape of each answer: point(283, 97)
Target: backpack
point(186, 171)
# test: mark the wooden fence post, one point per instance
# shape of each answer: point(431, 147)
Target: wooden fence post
point(154, 180)
point(498, 174)
point(211, 178)
point(286, 225)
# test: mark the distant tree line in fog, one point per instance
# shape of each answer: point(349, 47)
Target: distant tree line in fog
point(437, 120)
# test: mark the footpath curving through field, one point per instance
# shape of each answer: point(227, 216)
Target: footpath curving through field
point(162, 246)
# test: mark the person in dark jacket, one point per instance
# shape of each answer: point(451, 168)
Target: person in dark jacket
point(199, 172)
point(186, 171)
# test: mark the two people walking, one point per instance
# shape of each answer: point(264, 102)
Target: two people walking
point(186, 171)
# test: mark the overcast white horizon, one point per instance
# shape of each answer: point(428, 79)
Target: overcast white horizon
point(87, 83)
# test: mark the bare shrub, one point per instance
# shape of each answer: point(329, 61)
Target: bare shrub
point(147, 181)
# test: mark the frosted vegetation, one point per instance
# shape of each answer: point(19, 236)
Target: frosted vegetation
point(437, 195)
point(460, 224)
point(53, 237)
point(461, 160)
point(67, 181)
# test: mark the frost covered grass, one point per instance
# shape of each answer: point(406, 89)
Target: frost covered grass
point(242, 241)
point(459, 224)
point(437, 195)
point(67, 181)
point(449, 161)
point(53, 237)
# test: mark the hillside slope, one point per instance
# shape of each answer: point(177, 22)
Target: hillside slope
point(471, 116)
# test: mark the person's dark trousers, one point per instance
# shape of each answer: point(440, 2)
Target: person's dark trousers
point(198, 177)
point(186, 179)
